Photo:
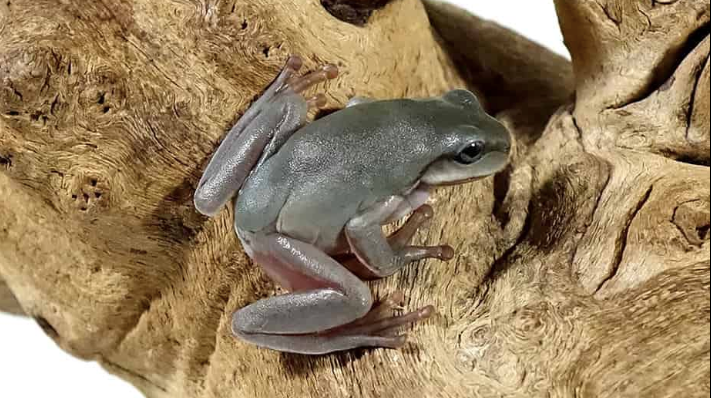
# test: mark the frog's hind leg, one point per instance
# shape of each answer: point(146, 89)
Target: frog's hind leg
point(327, 310)
point(267, 124)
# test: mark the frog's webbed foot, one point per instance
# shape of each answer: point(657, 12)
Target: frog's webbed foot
point(289, 83)
point(381, 324)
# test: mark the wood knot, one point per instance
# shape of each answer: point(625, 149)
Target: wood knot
point(356, 12)
point(692, 220)
point(6, 160)
point(88, 194)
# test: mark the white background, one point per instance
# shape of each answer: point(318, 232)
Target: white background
point(31, 365)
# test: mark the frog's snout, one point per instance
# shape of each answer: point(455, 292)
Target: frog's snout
point(504, 141)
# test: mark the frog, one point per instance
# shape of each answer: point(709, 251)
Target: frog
point(311, 199)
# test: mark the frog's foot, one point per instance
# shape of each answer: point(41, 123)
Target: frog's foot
point(289, 83)
point(379, 325)
point(301, 83)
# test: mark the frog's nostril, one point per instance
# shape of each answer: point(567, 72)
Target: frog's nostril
point(505, 145)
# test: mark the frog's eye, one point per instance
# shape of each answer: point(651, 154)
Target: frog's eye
point(471, 153)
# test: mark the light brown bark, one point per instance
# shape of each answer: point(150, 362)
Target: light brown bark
point(583, 270)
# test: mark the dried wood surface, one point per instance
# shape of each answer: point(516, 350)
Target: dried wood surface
point(583, 270)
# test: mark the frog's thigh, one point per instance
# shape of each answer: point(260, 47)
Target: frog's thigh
point(326, 294)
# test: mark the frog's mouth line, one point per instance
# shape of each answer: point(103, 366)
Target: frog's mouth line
point(487, 162)
point(451, 183)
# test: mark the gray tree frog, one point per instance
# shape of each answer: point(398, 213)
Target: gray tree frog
point(309, 193)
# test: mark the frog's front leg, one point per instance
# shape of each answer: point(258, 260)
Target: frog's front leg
point(279, 112)
point(328, 308)
point(384, 257)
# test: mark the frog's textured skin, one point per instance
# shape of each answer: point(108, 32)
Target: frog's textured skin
point(307, 192)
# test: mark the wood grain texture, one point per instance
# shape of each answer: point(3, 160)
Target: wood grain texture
point(581, 271)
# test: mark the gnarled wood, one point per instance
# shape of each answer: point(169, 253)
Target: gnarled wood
point(583, 270)
point(8, 302)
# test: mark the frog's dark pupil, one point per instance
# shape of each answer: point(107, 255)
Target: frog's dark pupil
point(471, 153)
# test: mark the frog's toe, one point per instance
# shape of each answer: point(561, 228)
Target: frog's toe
point(290, 68)
point(380, 321)
point(318, 101)
point(391, 326)
point(383, 308)
point(404, 235)
point(393, 342)
point(294, 63)
point(302, 83)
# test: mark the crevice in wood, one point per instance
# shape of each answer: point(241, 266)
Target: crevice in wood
point(502, 186)
point(144, 311)
point(646, 16)
point(666, 68)
point(598, 202)
point(689, 160)
point(133, 374)
point(621, 242)
point(616, 21)
point(356, 12)
point(498, 264)
point(47, 327)
point(692, 99)
point(699, 233)
point(6, 160)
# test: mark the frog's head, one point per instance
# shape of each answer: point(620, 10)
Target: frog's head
point(475, 145)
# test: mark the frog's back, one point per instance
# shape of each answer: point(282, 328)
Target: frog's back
point(334, 167)
point(369, 147)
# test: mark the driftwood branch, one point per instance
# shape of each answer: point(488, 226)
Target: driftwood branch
point(583, 270)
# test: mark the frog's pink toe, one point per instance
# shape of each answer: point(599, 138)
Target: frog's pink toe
point(331, 71)
point(396, 298)
point(318, 101)
point(425, 211)
point(425, 312)
point(446, 253)
point(294, 62)
point(395, 342)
